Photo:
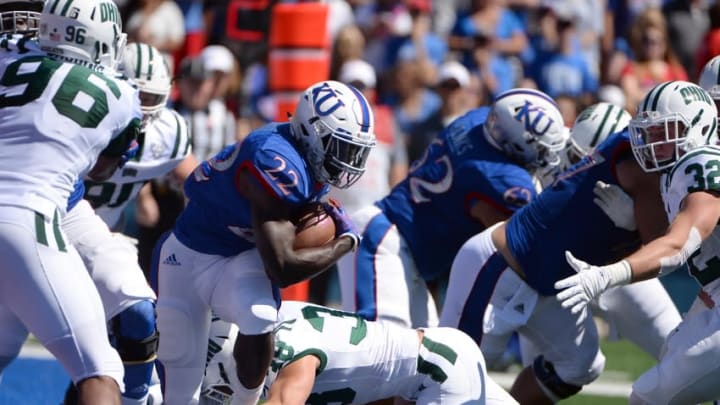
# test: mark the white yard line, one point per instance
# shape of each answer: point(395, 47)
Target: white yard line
point(601, 387)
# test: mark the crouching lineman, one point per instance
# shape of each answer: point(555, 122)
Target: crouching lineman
point(643, 312)
point(674, 133)
point(111, 258)
point(323, 355)
point(502, 279)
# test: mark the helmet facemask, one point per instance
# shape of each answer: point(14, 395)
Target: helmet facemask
point(20, 17)
point(333, 123)
point(344, 157)
point(659, 140)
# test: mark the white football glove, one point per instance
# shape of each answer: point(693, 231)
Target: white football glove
point(590, 281)
point(616, 204)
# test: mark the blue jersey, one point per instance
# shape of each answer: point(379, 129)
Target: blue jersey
point(217, 219)
point(431, 206)
point(564, 217)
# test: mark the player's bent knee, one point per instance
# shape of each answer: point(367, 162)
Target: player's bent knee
point(550, 382)
point(261, 319)
point(176, 350)
point(135, 334)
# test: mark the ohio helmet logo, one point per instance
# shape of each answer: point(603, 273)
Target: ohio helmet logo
point(535, 119)
point(325, 100)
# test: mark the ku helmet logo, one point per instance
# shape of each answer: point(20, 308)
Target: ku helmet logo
point(325, 100)
point(534, 118)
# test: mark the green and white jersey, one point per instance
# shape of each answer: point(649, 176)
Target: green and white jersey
point(698, 170)
point(164, 143)
point(55, 119)
point(360, 361)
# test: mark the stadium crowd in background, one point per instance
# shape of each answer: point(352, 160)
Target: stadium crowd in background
point(236, 65)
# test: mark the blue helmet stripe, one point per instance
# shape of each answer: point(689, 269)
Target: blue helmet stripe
point(365, 124)
point(529, 92)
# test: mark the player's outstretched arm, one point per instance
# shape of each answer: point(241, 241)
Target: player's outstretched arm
point(274, 235)
point(693, 224)
point(294, 382)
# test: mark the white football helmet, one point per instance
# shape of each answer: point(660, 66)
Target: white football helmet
point(710, 78)
point(20, 16)
point(674, 117)
point(592, 126)
point(146, 66)
point(334, 124)
point(82, 31)
point(527, 125)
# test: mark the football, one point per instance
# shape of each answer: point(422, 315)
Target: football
point(313, 227)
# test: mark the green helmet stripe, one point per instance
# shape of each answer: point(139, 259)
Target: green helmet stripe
point(66, 8)
point(595, 137)
point(138, 50)
point(52, 9)
point(150, 65)
point(617, 119)
point(657, 95)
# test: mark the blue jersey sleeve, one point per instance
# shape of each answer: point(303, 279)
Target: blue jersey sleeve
point(283, 174)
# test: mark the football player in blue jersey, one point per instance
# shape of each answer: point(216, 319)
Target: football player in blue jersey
point(232, 246)
point(502, 279)
point(474, 174)
point(675, 134)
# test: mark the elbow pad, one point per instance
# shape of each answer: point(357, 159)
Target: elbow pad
point(669, 264)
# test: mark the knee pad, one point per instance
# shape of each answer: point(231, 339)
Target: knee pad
point(550, 382)
point(136, 337)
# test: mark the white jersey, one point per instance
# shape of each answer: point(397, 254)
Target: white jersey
point(361, 361)
point(55, 119)
point(698, 170)
point(163, 145)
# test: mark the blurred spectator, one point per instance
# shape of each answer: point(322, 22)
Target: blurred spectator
point(569, 108)
point(589, 27)
point(612, 94)
point(495, 73)
point(559, 67)
point(429, 49)
point(413, 103)
point(492, 19)
point(195, 35)
point(349, 44)
point(212, 126)
point(687, 21)
point(654, 60)
point(220, 63)
point(454, 89)
point(710, 45)
point(159, 23)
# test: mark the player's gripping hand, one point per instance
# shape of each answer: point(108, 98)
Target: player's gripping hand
point(589, 282)
point(616, 204)
point(344, 226)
